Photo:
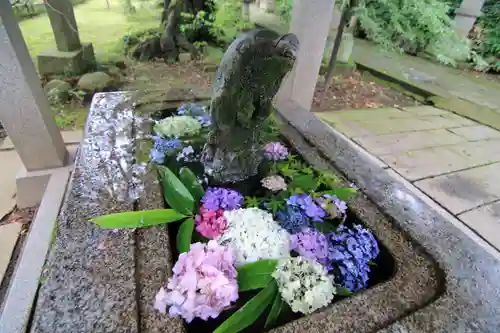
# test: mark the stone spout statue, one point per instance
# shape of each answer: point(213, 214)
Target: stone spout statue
point(247, 80)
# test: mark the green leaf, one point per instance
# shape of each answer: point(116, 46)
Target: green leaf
point(342, 193)
point(341, 291)
point(256, 275)
point(275, 312)
point(188, 178)
point(325, 227)
point(372, 263)
point(185, 235)
point(249, 313)
point(252, 202)
point(175, 193)
point(139, 219)
point(305, 182)
point(275, 204)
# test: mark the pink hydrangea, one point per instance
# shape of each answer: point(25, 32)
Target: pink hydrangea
point(204, 283)
point(211, 224)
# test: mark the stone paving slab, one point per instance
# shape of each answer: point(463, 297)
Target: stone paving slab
point(69, 137)
point(464, 190)
point(424, 110)
point(400, 142)
point(458, 119)
point(485, 221)
point(10, 164)
point(476, 133)
point(8, 239)
point(423, 163)
point(362, 114)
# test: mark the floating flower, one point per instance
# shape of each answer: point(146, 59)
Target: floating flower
point(178, 126)
point(221, 198)
point(333, 205)
point(161, 147)
point(304, 284)
point(253, 235)
point(275, 151)
point(274, 183)
point(203, 283)
point(311, 244)
point(293, 219)
point(210, 224)
point(186, 154)
point(349, 252)
point(307, 204)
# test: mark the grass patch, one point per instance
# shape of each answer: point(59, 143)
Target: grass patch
point(96, 24)
point(69, 117)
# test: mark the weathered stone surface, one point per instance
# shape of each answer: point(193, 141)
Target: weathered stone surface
point(366, 115)
point(58, 88)
point(96, 81)
point(464, 190)
point(247, 80)
point(459, 120)
point(425, 110)
point(8, 239)
point(476, 133)
point(469, 300)
point(89, 285)
point(70, 62)
point(485, 221)
point(401, 142)
point(428, 162)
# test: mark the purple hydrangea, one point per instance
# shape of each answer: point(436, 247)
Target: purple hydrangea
point(349, 251)
point(311, 244)
point(163, 146)
point(221, 198)
point(308, 206)
point(205, 121)
point(292, 219)
point(275, 151)
point(333, 205)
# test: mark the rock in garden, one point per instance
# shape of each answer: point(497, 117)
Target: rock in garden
point(96, 81)
point(58, 89)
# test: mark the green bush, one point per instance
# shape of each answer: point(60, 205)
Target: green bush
point(22, 13)
point(228, 21)
point(488, 43)
point(284, 9)
point(413, 26)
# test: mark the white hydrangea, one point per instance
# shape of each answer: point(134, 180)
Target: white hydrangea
point(177, 126)
point(253, 235)
point(304, 284)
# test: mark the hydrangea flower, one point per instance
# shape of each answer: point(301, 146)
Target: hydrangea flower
point(293, 219)
point(192, 109)
point(205, 121)
point(203, 283)
point(210, 224)
point(349, 252)
point(311, 244)
point(221, 198)
point(178, 126)
point(186, 154)
point(274, 183)
point(161, 147)
point(304, 284)
point(333, 205)
point(275, 151)
point(253, 235)
point(307, 204)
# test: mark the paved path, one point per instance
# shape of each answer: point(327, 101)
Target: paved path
point(9, 167)
point(452, 159)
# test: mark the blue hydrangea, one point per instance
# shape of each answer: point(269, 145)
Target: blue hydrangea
point(308, 206)
point(198, 111)
point(293, 219)
point(349, 252)
point(161, 147)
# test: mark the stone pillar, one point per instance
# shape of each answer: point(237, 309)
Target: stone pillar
point(267, 5)
point(24, 109)
point(466, 16)
point(311, 24)
point(245, 10)
point(71, 56)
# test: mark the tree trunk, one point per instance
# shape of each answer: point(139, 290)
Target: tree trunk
point(171, 41)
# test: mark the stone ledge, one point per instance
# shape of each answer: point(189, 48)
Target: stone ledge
point(469, 302)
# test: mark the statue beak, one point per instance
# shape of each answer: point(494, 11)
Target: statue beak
point(290, 43)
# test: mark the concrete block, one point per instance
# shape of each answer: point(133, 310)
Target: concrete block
point(464, 190)
point(74, 62)
point(485, 221)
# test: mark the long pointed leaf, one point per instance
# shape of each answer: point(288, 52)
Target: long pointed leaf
point(175, 193)
point(188, 178)
point(275, 312)
point(256, 275)
point(249, 313)
point(185, 235)
point(139, 219)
